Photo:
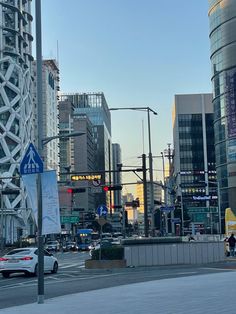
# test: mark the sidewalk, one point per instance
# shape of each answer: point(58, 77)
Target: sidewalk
point(206, 294)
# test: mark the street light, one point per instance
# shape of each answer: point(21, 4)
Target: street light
point(62, 136)
point(148, 110)
point(41, 141)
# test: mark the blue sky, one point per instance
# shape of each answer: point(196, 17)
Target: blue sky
point(139, 53)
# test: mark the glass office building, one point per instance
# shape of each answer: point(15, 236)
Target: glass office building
point(222, 17)
point(194, 162)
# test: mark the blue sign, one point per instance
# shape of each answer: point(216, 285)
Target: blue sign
point(175, 220)
point(167, 208)
point(31, 162)
point(102, 210)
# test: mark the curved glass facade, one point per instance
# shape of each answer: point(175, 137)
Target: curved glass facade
point(222, 17)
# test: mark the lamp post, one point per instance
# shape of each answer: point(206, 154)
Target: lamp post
point(148, 110)
point(41, 141)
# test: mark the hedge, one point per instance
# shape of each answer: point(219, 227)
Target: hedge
point(109, 253)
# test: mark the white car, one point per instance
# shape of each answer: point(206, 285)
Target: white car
point(25, 260)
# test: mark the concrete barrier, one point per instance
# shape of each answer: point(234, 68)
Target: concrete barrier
point(145, 254)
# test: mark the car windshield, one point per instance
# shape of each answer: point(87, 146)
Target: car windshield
point(20, 251)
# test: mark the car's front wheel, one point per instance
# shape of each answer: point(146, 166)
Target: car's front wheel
point(5, 275)
point(55, 268)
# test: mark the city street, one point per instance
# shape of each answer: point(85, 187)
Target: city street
point(72, 277)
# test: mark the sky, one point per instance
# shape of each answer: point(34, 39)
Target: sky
point(139, 53)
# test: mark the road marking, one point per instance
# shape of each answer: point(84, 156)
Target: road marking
point(69, 266)
point(220, 269)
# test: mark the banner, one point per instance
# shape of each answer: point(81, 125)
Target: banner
point(50, 201)
point(30, 183)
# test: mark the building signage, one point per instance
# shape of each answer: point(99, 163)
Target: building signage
point(205, 198)
point(87, 177)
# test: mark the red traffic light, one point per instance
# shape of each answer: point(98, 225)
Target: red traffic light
point(69, 190)
point(112, 188)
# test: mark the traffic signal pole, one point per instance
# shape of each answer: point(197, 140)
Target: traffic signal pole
point(145, 196)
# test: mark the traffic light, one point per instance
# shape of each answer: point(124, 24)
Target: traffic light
point(76, 190)
point(107, 188)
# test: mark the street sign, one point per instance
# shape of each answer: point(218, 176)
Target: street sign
point(96, 182)
point(96, 190)
point(102, 221)
point(102, 210)
point(175, 220)
point(31, 162)
point(167, 208)
point(69, 219)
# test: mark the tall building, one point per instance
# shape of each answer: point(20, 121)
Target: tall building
point(16, 109)
point(50, 88)
point(222, 17)
point(194, 161)
point(94, 106)
point(84, 153)
point(66, 110)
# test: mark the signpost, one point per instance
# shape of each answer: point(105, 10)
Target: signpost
point(102, 210)
point(31, 163)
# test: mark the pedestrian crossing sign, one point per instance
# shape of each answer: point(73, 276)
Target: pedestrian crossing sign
point(31, 162)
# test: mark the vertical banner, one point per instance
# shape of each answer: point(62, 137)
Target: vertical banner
point(50, 203)
point(30, 183)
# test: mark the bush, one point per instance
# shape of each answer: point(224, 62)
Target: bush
point(109, 253)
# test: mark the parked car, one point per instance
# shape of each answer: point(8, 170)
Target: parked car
point(25, 260)
point(70, 246)
point(52, 246)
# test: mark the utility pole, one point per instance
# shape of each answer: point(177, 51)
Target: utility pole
point(145, 195)
point(40, 148)
point(169, 154)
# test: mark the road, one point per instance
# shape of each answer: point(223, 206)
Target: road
point(72, 277)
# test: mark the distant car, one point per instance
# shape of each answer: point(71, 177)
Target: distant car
point(70, 246)
point(118, 235)
point(52, 246)
point(25, 260)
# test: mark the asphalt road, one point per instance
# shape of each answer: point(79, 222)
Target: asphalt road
point(72, 277)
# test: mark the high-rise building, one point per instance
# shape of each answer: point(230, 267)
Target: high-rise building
point(66, 110)
point(94, 106)
point(50, 88)
point(16, 108)
point(194, 161)
point(84, 153)
point(222, 17)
